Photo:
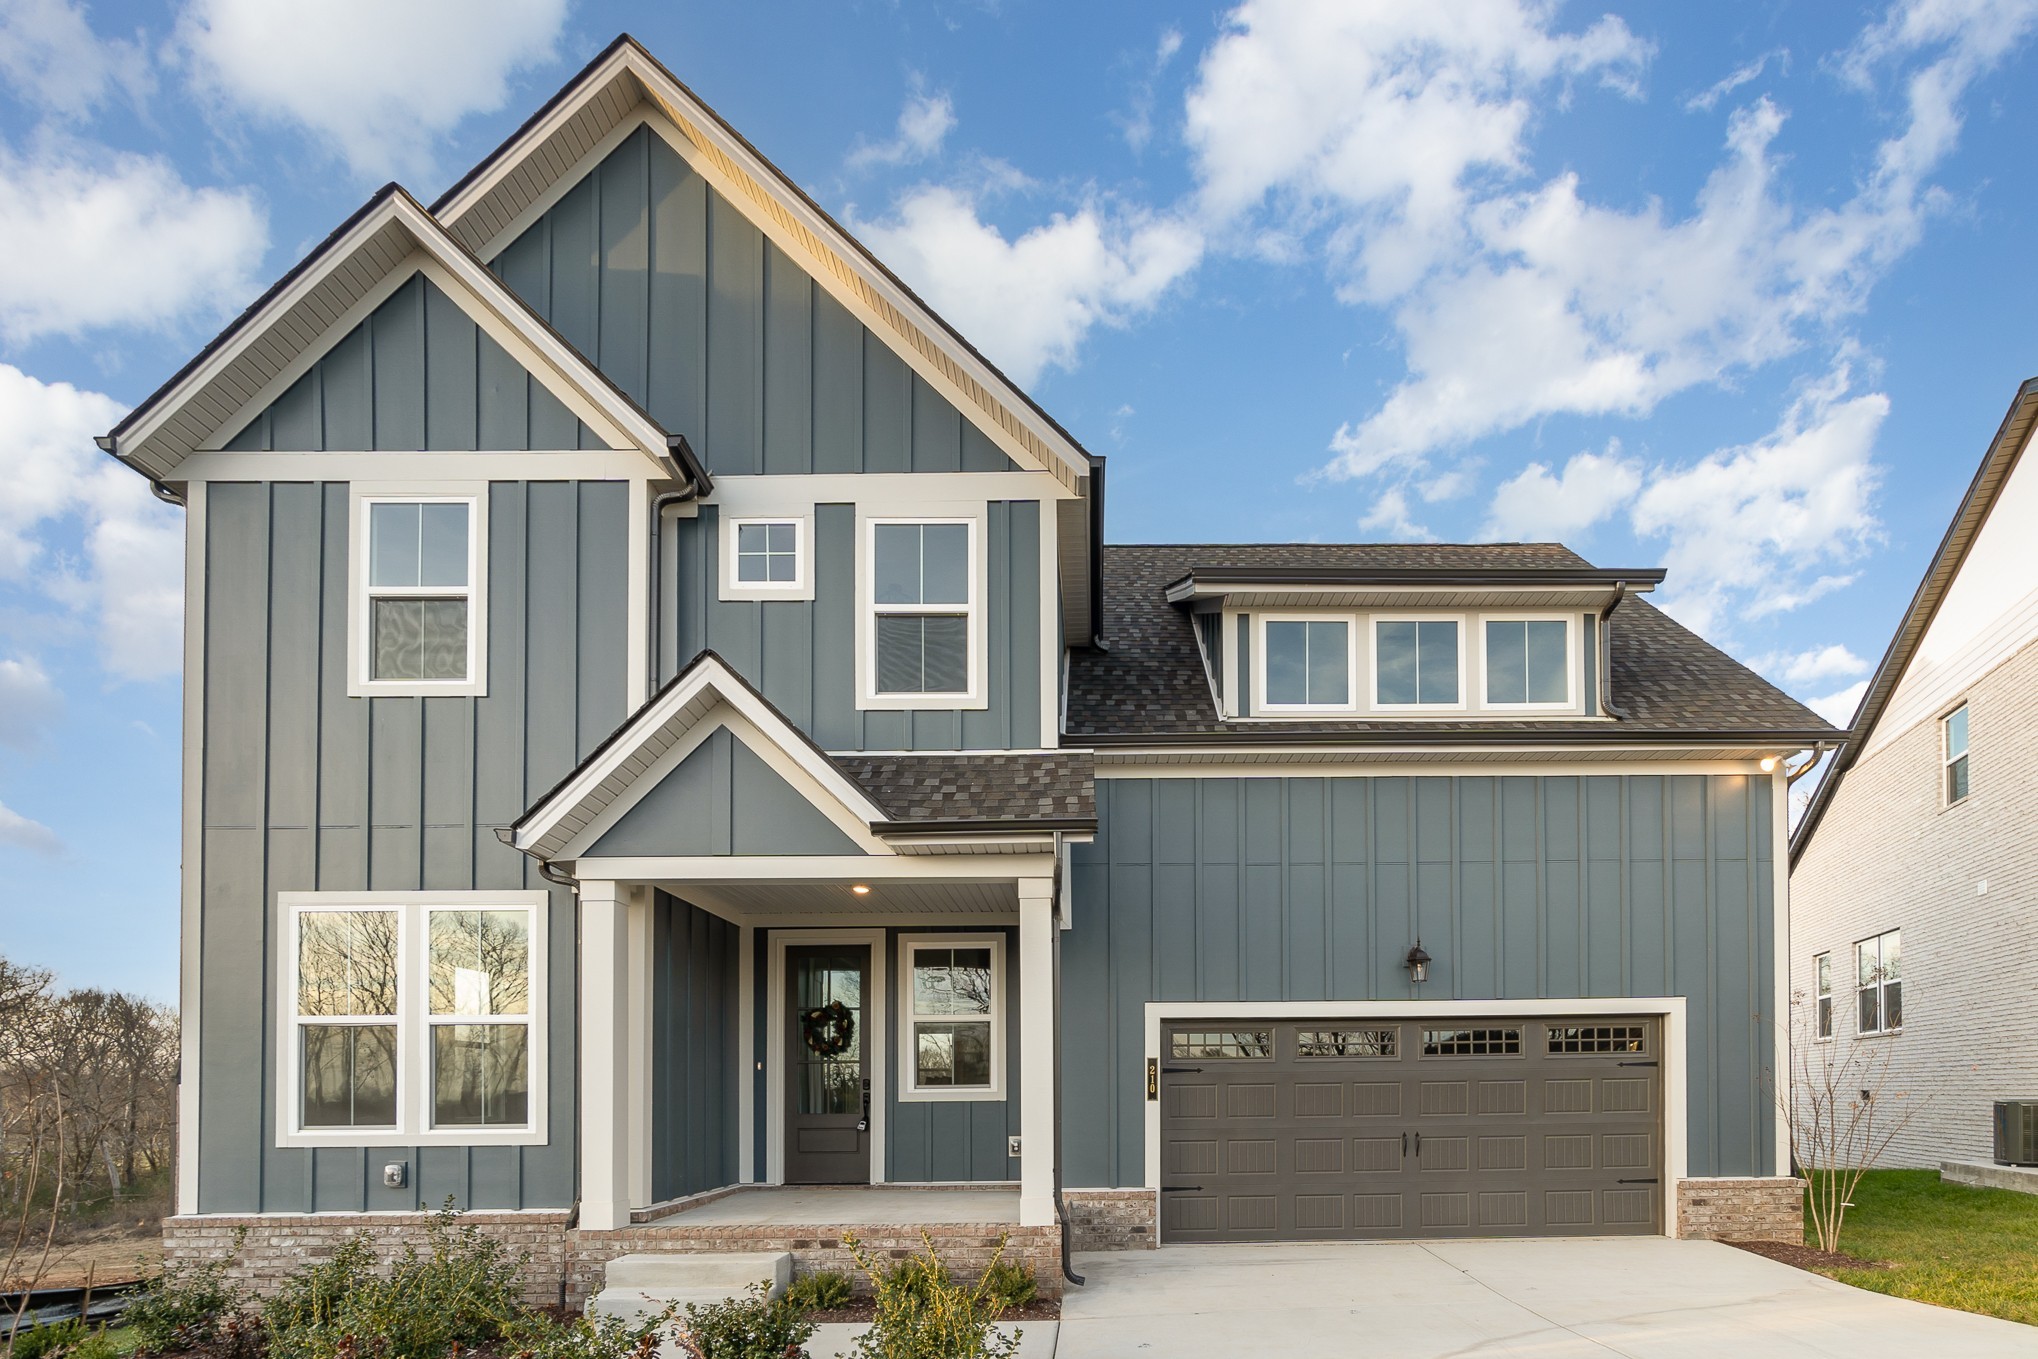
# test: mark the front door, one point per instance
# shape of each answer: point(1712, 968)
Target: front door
point(827, 1125)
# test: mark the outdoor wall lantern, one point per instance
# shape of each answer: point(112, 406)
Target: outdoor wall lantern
point(1417, 963)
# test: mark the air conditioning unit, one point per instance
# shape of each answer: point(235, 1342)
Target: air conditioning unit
point(2017, 1132)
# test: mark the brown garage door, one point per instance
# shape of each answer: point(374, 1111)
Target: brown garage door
point(1328, 1129)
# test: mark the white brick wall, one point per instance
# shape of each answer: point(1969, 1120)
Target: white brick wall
point(1890, 855)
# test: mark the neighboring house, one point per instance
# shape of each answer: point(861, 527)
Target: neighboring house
point(660, 718)
point(1914, 870)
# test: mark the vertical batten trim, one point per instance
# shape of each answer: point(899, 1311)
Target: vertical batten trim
point(641, 630)
point(746, 1052)
point(1779, 971)
point(190, 969)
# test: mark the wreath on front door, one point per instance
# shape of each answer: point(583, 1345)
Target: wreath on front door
point(829, 1029)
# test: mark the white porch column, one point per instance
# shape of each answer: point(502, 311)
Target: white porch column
point(637, 962)
point(1036, 1052)
point(606, 1067)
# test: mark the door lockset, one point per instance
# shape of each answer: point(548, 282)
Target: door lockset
point(863, 1121)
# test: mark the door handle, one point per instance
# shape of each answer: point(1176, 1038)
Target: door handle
point(1418, 1146)
point(863, 1123)
point(1404, 1146)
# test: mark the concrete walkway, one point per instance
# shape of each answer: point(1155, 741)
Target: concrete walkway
point(1639, 1297)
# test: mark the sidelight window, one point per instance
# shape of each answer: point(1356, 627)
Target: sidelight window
point(1953, 728)
point(953, 1017)
point(1822, 967)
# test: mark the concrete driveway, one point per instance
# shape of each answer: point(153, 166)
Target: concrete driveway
point(1639, 1297)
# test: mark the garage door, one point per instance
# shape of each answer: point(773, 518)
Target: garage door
point(1324, 1129)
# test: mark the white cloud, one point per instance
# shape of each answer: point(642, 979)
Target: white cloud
point(1750, 529)
point(93, 237)
point(1028, 302)
point(374, 80)
point(54, 62)
point(1537, 505)
point(1389, 518)
point(1838, 708)
point(19, 831)
point(129, 580)
point(29, 702)
point(1809, 667)
point(1706, 100)
point(1136, 123)
point(924, 123)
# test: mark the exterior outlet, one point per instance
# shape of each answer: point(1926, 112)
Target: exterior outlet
point(395, 1174)
point(1012, 1147)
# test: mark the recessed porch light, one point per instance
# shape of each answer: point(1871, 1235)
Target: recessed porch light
point(861, 890)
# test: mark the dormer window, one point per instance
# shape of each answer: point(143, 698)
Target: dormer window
point(1528, 662)
point(1308, 663)
point(1417, 663)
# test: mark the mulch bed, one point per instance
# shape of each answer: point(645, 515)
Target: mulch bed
point(864, 1309)
point(1808, 1258)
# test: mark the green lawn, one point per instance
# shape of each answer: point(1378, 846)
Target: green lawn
point(1975, 1249)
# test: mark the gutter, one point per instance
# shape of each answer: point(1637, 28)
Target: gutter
point(986, 825)
point(1358, 737)
point(110, 445)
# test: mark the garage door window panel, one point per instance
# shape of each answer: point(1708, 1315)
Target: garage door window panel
point(1373, 1044)
point(1471, 1042)
point(1223, 1045)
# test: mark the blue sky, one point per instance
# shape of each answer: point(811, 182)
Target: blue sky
point(1738, 289)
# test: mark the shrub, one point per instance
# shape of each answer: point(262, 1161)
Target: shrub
point(462, 1291)
point(922, 1313)
point(52, 1337)
point(185, 1306)
point(1011, 1286)
point(822, 1291)
point(754, 1326)
point(539, 1335)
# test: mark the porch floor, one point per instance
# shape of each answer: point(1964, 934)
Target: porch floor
point(849, 1205)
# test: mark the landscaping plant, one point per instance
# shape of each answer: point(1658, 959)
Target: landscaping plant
point(539, 1335)
point(824, 1290)
point(754, 1326)
point(1842, 1117)
point(187, 1306)
point(922, 1313)
point(1012, 1286)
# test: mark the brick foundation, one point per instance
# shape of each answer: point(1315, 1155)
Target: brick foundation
point(568, 1263)
point(1767, 1209)
point(1111, 1219)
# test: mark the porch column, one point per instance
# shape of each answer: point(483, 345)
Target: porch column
point(1036, 1052)
point(605, 1056)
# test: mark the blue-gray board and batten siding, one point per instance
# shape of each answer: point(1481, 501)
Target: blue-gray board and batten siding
point(696, 1078)
point(305, 788)
point(667, 288)
point(416, 374)
point(802, 654)
point(1312, 889)
point(722, 799)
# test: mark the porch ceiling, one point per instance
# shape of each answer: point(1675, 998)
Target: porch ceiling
point(837, 900)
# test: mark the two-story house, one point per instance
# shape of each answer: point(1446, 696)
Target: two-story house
point(662, 726)
point(1915, 867)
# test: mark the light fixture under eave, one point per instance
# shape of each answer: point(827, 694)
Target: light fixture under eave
point(860, 889)
point(1769, 764)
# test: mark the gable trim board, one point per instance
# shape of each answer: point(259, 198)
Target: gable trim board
point(2004, 453)
point(320, 299)
point(494, 200)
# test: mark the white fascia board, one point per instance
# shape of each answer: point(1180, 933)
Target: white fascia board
point(739, 173)
point(709, 675)
point(1362, 765)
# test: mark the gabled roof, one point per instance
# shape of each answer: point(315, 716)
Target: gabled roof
point(303, 312)
point(495, 196)
point(1149, 686)
point(1997, 464)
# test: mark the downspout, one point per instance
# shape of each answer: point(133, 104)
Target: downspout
point(1791, 776)
point(1061, 1207)
point(160, 489)
point(1613, 710)
point(1097, 554)
point(680, 458)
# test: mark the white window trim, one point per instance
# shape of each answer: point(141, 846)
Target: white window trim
point(910, 1091)
point(800, 587)
point(1946, 756)
point(1373, 622)
point(413, 1021)
point(1353, 625)
point(1881, 998)
point(868, 609)
point(360, 635)
point(1822, 989)
point(1571, 643)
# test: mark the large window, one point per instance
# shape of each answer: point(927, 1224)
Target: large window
point(1822, 967)
point(1528, 662)
point(1417, 663)
point(1879, 983)
point(952, 1018)
point(418, 608)
point(923, 601)
point(1308, 663)
point(412, 1017)
point(1954, 725)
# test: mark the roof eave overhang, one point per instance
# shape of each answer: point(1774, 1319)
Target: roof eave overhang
point(1576, 738)
point(989, 825)
point(1237, 584)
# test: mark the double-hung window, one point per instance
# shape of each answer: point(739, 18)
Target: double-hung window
point(1417, 663)
point(1308, 663)
point(953, 1017)
point(921, 642)
point(1879, 983)
point(1528, 662)
point(1822, 968)
point(412, 1016)
point(1954, 729)
point(766, 558)
point(419, 621)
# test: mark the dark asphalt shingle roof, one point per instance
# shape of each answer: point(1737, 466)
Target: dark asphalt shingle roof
point(1150, 680)
point(978, 786)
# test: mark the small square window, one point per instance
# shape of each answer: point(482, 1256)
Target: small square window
point(766, 558)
